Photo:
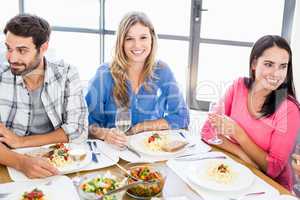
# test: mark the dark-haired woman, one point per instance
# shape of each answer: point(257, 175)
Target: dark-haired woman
point(262, 113)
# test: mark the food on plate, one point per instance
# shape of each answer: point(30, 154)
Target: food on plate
point(35, 194)
point(77, 154)
point(221, 173)
point(146, 173)
point(101, 184)
point(163, 142)
point(174, 145)
point(57, 154)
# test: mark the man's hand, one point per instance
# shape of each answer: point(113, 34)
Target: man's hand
point(34, 167)
point(9, 138)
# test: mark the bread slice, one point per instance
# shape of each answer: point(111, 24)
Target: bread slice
point(174, 145)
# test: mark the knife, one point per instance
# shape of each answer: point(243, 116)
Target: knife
point(133, 151)
point(199, 158)
point(94, 157)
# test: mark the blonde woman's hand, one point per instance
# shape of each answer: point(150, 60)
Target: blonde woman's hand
point(116, 137)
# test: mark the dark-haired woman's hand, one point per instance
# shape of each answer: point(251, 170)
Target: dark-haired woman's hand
point(226, 126)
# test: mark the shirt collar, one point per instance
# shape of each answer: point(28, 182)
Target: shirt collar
point(48, 72)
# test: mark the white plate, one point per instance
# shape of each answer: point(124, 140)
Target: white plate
point(242, 179)
point(285, 197)
point(137, 142)
point(18, 194)
point(69, 168)
point(61, 187)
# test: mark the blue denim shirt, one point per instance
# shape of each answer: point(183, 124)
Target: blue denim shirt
point(163, 101)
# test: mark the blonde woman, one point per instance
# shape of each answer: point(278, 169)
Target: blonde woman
point(135, 80)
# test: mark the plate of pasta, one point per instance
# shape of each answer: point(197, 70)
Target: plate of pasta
point(220, 175)
point(60, 156)
point(158, 143)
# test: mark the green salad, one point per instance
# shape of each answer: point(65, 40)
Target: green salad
point(100, 185)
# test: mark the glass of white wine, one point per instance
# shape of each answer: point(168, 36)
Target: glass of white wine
point(123, 119)
point(78, 152)
point(216, 108)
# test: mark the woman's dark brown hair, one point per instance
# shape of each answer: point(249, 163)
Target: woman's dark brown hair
point(287, 88)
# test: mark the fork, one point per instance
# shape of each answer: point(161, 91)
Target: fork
point(94, 157)
point(96, 148)
point(248, 194)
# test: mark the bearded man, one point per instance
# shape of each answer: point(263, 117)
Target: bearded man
point(41, 102)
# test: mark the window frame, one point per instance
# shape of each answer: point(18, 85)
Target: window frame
point(195, 41)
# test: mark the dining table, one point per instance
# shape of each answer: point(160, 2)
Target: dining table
point(174, 185)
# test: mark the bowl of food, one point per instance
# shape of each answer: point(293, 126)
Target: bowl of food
point(95, 186)
point(153, 177)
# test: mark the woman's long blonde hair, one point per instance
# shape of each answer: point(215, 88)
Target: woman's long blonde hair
point(120, 65)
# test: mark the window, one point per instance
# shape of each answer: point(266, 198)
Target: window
point(201, 47)
point(66, 13)
point(223, 33)
point(172, 21)
point(8, 10)
point(79, 49)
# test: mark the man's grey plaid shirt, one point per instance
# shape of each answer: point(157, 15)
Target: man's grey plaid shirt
point(62, 97)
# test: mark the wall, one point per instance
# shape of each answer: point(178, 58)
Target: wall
point(296, 48)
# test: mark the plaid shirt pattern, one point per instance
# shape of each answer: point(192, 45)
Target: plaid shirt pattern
point(62, 97)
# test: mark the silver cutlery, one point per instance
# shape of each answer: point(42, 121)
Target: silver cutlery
point(98, 153)
point(94, 157)
point(120, 167)
point(125, 187)
point(248, 194)
point(187, 155)
point(181, 134)
point(133, 151)
point(198, 158)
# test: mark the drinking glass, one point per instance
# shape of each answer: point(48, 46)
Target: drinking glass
point(123, 119)
point(216, 108)
point(297, 177)
point(78, 151)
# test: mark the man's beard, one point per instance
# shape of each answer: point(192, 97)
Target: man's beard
point(28, 68)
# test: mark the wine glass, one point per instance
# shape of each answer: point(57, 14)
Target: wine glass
point(78, 152)
point(216, 108)
point(123, 119)
point(296, 186)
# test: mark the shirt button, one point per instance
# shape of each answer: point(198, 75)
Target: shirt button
point(29, 113)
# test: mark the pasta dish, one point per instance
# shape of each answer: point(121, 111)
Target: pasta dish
point(221, 173)
point(155, 142)
point(57, 154)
